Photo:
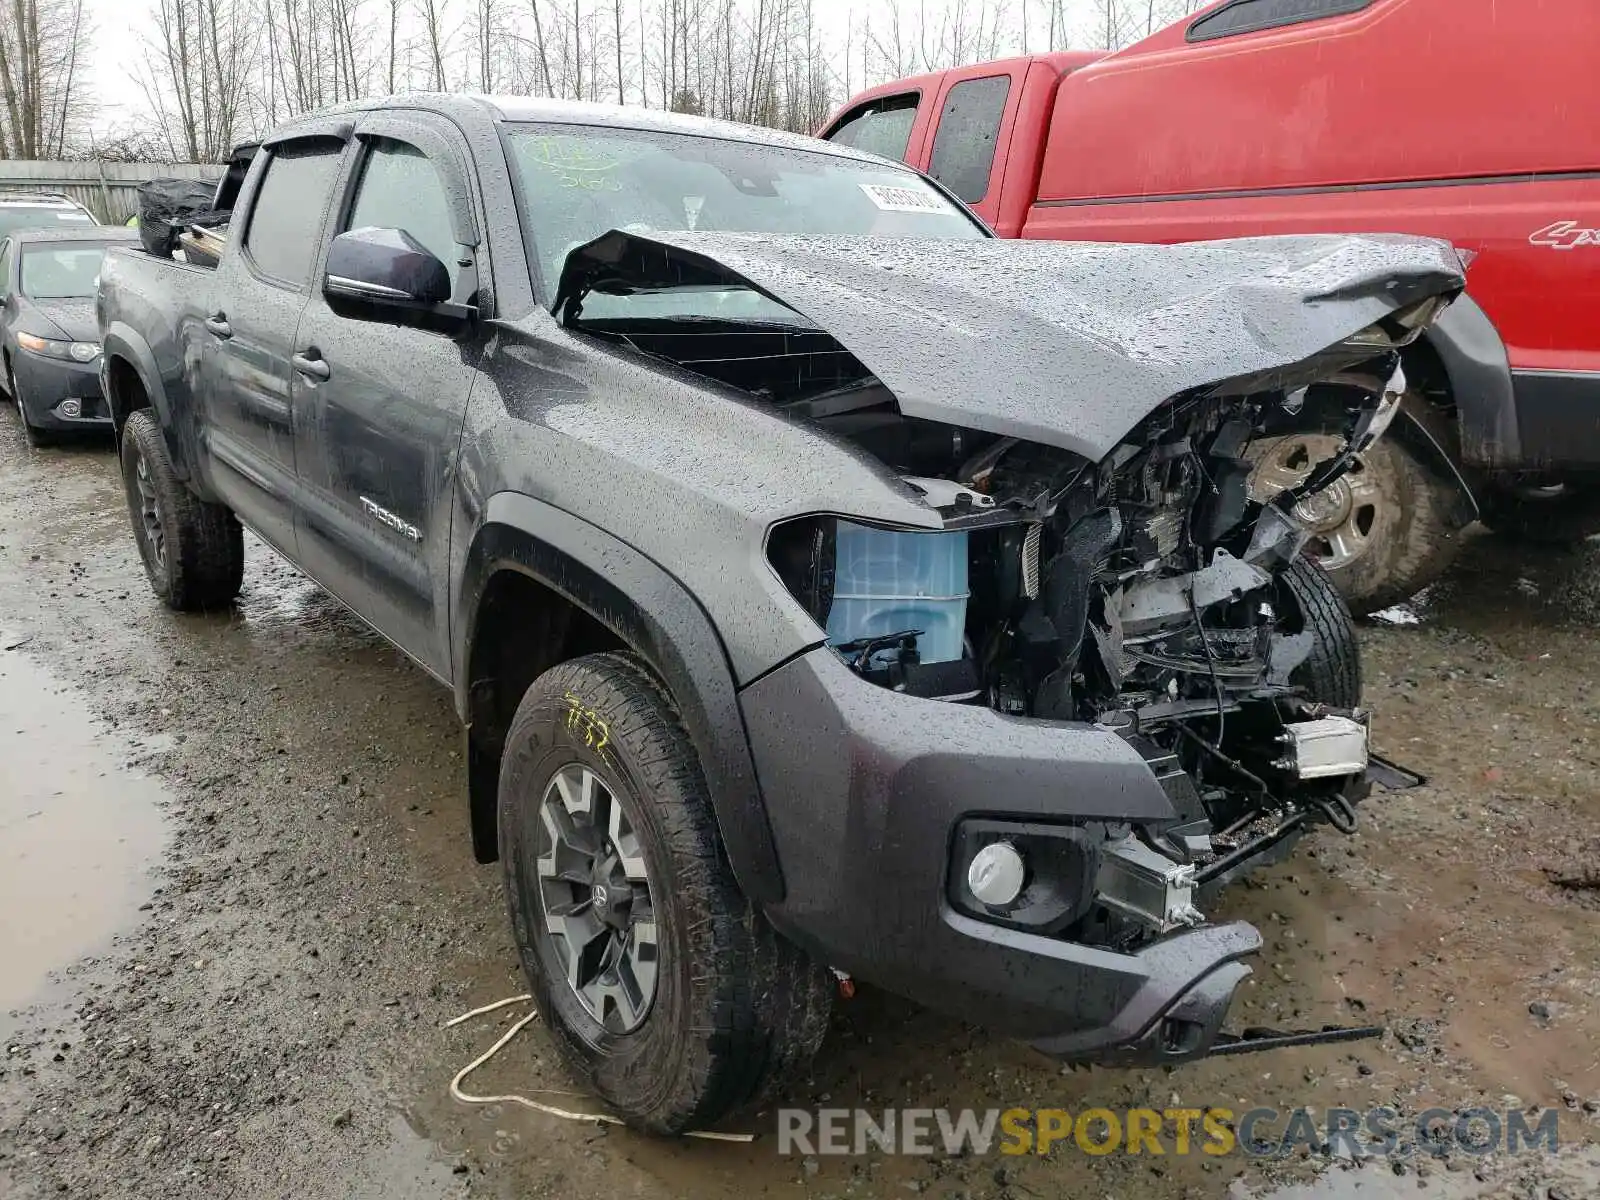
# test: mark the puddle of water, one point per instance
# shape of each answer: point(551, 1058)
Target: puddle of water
point(404, 1167)
point(78, 832)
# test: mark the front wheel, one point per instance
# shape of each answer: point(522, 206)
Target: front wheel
point(36, 436)
point(1331, 672)
point(193, 552)
point(664, 990)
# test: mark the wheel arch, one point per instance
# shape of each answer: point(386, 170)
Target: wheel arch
point(540, 586)
point(1463, 355)
point(133, 381)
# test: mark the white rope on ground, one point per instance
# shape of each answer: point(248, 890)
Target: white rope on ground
point(547, 1109)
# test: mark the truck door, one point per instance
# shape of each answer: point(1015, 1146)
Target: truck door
point(380, 397)
point(975, 117)
point(245, 370)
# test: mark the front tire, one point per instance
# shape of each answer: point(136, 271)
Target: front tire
point(1331, 673)
point(37, 438)
point(665, 991)
point(193, 552)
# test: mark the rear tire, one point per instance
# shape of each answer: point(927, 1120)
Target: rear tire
point(1331, 674)
point(193, 551)
point(1552, 517)
point(731, 1009)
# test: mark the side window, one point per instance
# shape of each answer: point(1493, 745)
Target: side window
point(286, 218)
point(963, 149)
point(881, 127)
point(1251, 16)
point(5, 269)
point(401, 189)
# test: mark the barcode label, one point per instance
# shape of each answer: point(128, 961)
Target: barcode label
point(902, 199)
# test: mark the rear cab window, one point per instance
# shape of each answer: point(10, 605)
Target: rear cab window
point(881, 127)
point(968, 133)
point(1252, 16)
point(286, 217)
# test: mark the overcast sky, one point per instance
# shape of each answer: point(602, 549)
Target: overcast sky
point(119, 27)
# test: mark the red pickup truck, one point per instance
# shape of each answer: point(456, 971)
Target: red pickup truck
point(1472, 120)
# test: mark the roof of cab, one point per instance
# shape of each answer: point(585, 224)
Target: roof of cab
point(577, 112)
point(80, 233)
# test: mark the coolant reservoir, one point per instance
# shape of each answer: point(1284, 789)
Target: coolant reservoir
point(887, 581)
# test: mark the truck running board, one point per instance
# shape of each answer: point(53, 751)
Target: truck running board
point(1255, 1039)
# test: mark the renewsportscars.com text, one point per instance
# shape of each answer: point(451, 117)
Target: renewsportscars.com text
point(1256, 1132)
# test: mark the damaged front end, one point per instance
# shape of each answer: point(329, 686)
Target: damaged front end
point(1125, 584)
point(1147, 595)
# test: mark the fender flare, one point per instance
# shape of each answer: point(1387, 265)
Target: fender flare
point(124, 342)
point(653, 613)
point(1479, 373)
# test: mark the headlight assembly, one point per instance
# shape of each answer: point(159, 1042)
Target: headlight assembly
point(83, 352)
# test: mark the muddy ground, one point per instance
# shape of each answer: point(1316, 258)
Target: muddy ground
point(239, 905)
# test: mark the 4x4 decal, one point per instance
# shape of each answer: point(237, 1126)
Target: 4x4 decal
point(1565, 235)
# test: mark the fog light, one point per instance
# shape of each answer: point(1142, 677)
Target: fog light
point(997, 874)
point(70, 408)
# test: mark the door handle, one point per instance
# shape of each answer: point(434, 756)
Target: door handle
point(217, 324)
point(312, 368)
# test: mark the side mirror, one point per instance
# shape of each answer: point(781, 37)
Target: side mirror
point(385, 266)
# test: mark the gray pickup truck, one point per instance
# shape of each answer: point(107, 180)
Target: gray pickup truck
point(827, 588)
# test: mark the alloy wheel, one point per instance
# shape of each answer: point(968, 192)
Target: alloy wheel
point(149, 515)
point(595, 894)
point(1342, 518)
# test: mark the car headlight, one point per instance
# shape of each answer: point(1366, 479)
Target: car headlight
point(74, 351)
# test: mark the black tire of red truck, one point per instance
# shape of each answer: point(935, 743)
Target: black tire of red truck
point(193, 551)
point(666, 992)
point(1556, 515)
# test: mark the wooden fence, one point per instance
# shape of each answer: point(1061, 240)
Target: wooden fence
point(110, 190)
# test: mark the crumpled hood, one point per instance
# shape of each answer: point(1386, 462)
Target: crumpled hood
point(1066, 343)
point(73, 317)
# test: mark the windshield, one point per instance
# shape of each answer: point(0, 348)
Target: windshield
point(60, 272)
point(578, 182)
point(16, 218)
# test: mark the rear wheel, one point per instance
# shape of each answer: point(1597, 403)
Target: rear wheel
point(1555, 515)
point(1382, 531)
point(664, 990)
point(193, 552)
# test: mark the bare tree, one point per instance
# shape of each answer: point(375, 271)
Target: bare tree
point(215, 70)
point(438, 40)
point(197, 72)
point(43, 44)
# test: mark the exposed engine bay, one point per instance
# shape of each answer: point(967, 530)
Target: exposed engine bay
point(1146, 593)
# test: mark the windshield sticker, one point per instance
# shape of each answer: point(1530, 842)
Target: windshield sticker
point(902, 199)
point(577, 164)
point(692, 207)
